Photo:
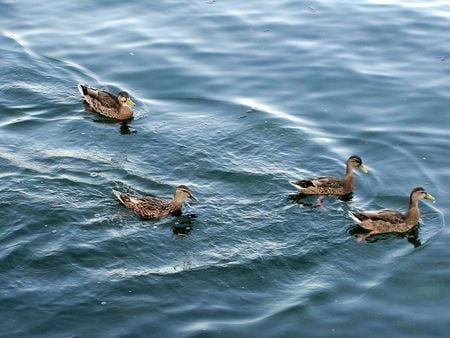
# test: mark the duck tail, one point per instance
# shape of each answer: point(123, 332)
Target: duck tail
point(82, 89)
point(353, 217)
point(296, 185)
point(118, 194)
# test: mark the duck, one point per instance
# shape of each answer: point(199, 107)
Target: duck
point(148, 207)
point(113, 106)
point(329, 185)
point(387, 220)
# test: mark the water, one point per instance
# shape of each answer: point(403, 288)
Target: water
point(234, 99)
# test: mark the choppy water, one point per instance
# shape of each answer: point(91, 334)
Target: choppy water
point(234, 98)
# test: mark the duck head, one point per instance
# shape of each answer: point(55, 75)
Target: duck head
point(183, 192)
point(125, 99)
point(420, 193)
point(355, 161)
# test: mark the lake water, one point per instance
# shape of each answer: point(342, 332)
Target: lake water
point(234, 99)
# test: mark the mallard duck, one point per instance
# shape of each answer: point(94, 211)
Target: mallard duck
point(153, 207)
point(328, 185)
point(107, 104)
point(386, 220)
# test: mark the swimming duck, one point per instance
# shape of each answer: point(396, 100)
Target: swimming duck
point(107, 104)
point(386, 220)
point(153, 207)
point(328, 185)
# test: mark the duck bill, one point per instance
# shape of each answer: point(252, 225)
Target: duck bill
point(193, 199)
point(130, 103)
point(363, 168)
point(429, 197)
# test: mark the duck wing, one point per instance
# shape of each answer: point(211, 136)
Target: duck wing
point(144, 206)
point(327, 181)
point(101, 101)
point(102, 97)
point(323, 185)
point(319, 182)
point(383, 215)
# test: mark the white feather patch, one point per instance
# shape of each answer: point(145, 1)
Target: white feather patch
point(80, 90)
point(118, 195)
point(295, 185)
point(353, 217)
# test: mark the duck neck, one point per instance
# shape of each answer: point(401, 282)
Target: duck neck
point(412, 215)
point(348, 179)
point(177, 201)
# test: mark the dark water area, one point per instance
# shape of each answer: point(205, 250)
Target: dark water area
point(234, 99)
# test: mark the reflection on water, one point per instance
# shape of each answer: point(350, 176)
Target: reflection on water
point(184, 224)
point(125, 129)
point(319, 200)
point(411, 236)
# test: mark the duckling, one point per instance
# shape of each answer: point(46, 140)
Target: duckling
point(386, 220)
point(107, 104)
point(328, 185)
point(153, 207)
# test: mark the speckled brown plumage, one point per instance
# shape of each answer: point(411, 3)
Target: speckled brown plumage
point(153, 207)
point(328, 185)
point(386, 220)
point(107, 104)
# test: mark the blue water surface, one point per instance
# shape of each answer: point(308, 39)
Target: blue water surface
point(234, 99)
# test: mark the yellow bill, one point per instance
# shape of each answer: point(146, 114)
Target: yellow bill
point(363, 168)
point(429, 197)
point(130, 103)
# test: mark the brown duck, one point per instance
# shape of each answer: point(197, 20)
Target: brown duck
point(328, 185)
point(153, 207)
point(386, 220)
point(107, 104)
